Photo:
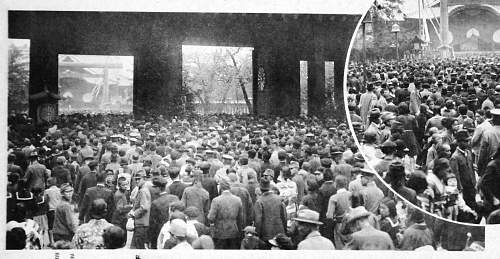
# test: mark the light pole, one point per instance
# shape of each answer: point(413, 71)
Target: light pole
point(395, 29)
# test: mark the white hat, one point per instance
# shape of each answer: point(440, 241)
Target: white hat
point(225, 156)
point(178, 228)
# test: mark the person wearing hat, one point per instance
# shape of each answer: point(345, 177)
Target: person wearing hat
point(207, 181)
point(461, 163)
point(374, 124)
point(372, 195)
point(177, 186)
point(195, 195)
point(140, 212)
point(178, 230)
point(88, 180)
point(226, 215)
point(308, 226)
point(367, 237)
point(160, 210)
point(489, 142)
point(251, 240)
point(269, 212)
point(64, 225)
point(97, 192)
point(388, 148)
point(36, 174)
point(89, 235)
point(418, 234)
point(396, 178)
point(61, 172)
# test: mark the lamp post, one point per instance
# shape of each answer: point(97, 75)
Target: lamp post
point(395, 29)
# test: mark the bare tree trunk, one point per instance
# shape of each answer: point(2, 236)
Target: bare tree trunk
point(240, 80)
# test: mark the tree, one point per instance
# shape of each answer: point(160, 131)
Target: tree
point(18, 80)
point(217, 75)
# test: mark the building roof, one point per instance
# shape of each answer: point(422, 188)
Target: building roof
point(431, 8)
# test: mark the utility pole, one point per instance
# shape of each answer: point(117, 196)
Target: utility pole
point(444, 48)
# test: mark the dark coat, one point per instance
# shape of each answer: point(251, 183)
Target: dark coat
point(159, 214)
point(177, 189)
point(92, 194)
point(324, 193)
point(61, 174)
point(210, 185)
point(269, 216)
point(246, 200)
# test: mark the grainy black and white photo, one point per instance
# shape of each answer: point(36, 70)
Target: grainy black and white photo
point(197, 130)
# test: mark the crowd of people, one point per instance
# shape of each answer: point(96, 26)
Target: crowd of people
point(213, 182)
point(440, 120)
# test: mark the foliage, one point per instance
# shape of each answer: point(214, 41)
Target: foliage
point(380, 41)
point(218, 75)
point(18, 80)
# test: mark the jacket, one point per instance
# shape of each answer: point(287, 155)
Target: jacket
point(226, 212)
point(63, 220)
point(142, 207)
point(92, 194)
point(199, 198)
point(269, 216)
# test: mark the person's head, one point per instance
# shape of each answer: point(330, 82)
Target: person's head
point(366, 176)
point(177, 206)
point(340, 182)
point(93, 165)
point(16, 239)
point(265, 184)
point(443, 150)
point(178, 229)
point(123, 184)
point(307, 221)
point(463, 139)
point(52, 181)
point(387, 208)
point(173, 172)
point(417, 182)
point(441, 168)
point(114, 237)
point(101, 177)
point(98, 209)
point(66, 191)
point(396, 173)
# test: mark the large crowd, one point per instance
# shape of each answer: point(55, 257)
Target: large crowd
point(440, 119)
point(222, 181)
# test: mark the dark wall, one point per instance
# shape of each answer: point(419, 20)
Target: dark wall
point(155, 40)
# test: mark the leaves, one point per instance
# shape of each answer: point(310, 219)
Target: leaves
point(18, 79)
point(218, 74)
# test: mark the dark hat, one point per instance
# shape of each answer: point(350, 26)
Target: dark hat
point(396, 170)
point(326, 162)
point(205, 166)
point(388, 144)
point(159, 182)
point(462, 135)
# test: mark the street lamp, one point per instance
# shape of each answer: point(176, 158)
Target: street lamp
point(395, 29)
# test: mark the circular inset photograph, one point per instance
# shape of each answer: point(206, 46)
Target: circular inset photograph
point(423, 98)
